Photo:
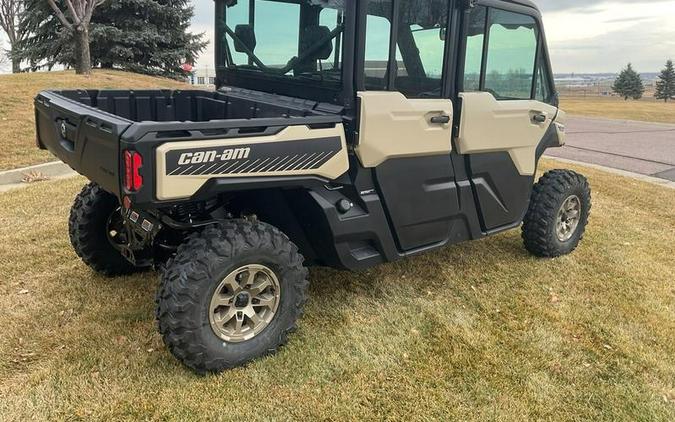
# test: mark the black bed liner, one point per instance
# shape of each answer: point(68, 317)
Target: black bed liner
point(195, 105)
point(89, 129)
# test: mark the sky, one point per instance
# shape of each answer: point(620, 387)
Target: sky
point(584, 36)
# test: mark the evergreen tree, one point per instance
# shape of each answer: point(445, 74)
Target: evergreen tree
point(665, 86)
point(50, 43)
point(75, 15)
point(146, 36)
point(143, 36)
point(629, 84)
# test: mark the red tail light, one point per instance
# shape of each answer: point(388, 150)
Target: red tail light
point(133, 161)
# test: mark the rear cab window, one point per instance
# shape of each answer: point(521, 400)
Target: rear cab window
point(286, 41)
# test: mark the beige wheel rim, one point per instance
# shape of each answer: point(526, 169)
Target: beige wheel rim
point(244, 303)
point(568, 219)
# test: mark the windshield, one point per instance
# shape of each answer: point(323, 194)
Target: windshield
point(291, 39)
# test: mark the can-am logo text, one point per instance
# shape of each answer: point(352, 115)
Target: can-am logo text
point(202, 157)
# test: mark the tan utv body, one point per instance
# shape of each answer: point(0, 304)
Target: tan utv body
point(340, 133)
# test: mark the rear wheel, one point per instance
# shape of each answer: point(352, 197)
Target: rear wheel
point(97, 232)
point(231, 294)
point(556, 219)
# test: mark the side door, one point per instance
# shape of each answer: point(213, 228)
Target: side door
point(405, 119)
point(507, 107)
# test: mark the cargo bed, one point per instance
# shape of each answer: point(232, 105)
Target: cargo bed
point(89, 129)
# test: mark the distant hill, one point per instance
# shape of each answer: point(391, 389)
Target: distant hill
point(647, 76)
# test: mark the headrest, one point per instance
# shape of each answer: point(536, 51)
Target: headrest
point(312, 36)
point(246, 36)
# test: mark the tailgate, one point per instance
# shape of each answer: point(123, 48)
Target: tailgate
point(83, 137)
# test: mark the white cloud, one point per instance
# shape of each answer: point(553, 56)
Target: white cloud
point(206, 58)
point(203, 21)
point(607, 36)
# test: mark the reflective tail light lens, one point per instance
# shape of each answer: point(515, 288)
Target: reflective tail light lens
point(133, 161)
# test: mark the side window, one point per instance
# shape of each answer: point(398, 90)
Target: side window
point(512, 48)
point(421, 47)
point(474, 48)
point(509, 70)
point(418, 53)
point(378, 34)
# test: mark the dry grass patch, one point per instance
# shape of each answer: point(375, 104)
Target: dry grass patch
point(17, 119)
point(646, 110)
point(475, 331)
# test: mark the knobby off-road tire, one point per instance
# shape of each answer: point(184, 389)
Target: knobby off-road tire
point(195, 276)
point(89, 232)
point(556, 219)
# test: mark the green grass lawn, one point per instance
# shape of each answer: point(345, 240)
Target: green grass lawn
point(475, 331)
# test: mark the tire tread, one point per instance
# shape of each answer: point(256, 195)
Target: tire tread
point(547, 195)
point(187, 274)
point(85, 231)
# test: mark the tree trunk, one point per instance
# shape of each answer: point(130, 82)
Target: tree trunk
point(16, 65)
point(83, 65)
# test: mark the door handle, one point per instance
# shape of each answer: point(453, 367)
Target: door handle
point(539, 118)
point(443, 119)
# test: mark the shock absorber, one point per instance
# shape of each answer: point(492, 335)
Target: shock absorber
point(189, 212)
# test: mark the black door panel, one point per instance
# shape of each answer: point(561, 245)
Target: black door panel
point(421, 198)
point(503, 194)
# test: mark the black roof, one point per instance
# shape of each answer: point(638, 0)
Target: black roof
point(528, 3)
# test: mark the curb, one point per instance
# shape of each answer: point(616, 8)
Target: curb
point(11, 179)
point(642, 177)
point(53, 169)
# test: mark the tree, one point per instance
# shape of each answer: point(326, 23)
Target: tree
point(144, 36)
point(80, 13)
point(665, 86)
point(10, 14)
point(3, 60)
point(49, 42)
point(629, 84)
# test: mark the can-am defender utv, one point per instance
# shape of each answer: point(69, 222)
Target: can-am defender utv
point(342, 133)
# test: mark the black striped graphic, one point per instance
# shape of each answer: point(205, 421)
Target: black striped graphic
point(308, 154)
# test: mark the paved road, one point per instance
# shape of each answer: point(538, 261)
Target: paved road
point(644, 148)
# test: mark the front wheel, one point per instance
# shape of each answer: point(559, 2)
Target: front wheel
point(556, 219)
point(231, 294)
